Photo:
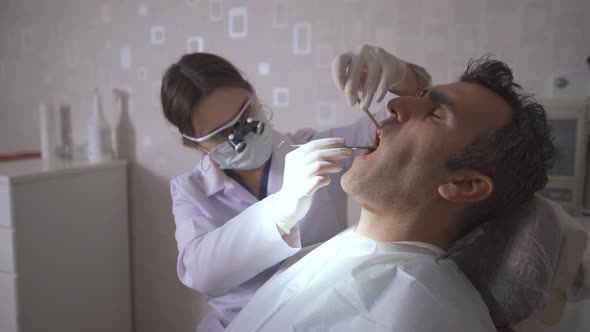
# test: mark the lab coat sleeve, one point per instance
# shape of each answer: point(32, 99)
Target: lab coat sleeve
point(214, 259)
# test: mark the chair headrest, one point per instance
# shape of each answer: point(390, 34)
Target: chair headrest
point(516, 261)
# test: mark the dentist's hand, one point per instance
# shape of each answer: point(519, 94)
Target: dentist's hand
point(307, 169)
point(372, 71)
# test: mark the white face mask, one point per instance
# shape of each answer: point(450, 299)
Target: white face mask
point(257, 152)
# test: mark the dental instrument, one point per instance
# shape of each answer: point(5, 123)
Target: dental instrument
point(365, 147)
point(358, 100)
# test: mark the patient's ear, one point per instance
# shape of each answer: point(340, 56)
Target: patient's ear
point(466, 187)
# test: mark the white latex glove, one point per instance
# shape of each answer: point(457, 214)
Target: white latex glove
point(307, 169)
point(370, 71)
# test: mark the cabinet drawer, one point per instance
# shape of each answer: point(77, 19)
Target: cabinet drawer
point(7, 251)
point(5, 206)
point(8, 319)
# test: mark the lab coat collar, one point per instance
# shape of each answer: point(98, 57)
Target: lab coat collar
point(214, 178)
point(218, 182)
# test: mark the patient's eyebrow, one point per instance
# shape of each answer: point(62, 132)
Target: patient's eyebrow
point(440, 98)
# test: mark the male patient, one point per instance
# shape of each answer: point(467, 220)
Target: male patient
point(457, 155)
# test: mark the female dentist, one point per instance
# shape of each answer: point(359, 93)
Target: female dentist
point(248, 206)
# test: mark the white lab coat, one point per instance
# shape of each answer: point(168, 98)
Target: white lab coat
point(352, 283)
point(228, 246)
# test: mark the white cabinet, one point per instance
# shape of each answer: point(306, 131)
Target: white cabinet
point(64, 247)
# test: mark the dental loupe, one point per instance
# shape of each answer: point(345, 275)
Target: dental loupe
point(240, 130)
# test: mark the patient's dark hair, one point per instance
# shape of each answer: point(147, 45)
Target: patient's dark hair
point(516, 157)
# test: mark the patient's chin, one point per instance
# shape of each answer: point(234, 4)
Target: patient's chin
point(359, 190)
point(351, 184)
point(345, 182)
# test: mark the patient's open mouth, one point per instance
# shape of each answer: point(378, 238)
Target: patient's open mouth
point(376, 142)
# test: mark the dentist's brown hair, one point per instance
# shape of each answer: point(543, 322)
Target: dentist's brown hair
point(194, 77)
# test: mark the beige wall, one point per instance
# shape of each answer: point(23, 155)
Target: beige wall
point(58, 51)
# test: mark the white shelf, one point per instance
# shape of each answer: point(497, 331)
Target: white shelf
point(35, 169)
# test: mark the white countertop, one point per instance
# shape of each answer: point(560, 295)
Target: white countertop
point(23, 170)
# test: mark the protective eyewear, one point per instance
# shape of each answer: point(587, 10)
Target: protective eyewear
point(239, 129)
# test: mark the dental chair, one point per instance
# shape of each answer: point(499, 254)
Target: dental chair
point(527, 266)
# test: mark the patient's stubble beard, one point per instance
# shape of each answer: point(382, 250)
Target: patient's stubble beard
point(385, 190)
point(377, 193)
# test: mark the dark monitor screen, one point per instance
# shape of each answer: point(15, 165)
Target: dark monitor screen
point(565, 132)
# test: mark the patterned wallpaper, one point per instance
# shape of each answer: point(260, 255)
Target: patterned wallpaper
point(58, 51)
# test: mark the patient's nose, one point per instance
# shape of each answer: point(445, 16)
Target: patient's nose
point(398, 109)
point(404, 108)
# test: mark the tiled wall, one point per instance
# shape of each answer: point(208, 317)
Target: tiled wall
point(58, 51)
